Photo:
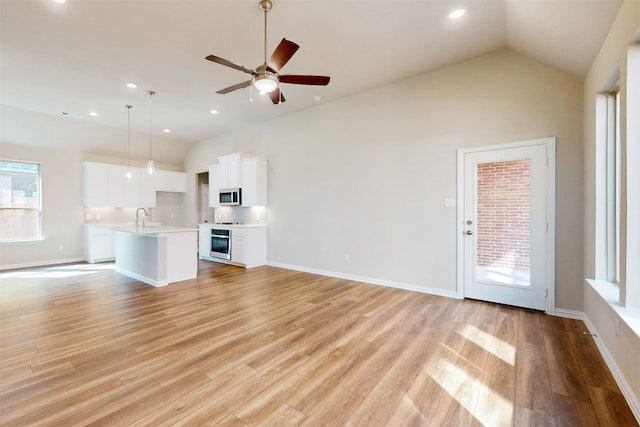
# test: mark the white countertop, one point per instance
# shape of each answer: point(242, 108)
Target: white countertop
point(213, 224)
point(149, 230)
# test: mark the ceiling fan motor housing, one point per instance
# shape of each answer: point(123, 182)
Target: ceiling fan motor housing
point(264, 80)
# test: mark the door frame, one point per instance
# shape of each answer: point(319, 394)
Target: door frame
point(550, 212)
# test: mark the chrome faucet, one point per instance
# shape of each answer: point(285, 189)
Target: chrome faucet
point(146, 214)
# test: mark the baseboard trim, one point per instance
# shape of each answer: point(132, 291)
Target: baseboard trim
point(569, 314)
point(627, 392)
point(369, 280)
point(45, 263)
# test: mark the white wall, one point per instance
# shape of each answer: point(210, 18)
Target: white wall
point(367, 175)
point(623, 348)
point(62, 213)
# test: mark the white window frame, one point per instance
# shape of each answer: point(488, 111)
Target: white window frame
point(38, 208)
point(613, 186)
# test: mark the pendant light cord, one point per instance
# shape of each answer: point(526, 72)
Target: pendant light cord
point(129, 135)
point(151, 93)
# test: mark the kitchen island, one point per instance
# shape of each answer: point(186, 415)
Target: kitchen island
point(158, 255)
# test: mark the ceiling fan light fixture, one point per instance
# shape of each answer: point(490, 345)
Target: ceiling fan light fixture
point(265, 83)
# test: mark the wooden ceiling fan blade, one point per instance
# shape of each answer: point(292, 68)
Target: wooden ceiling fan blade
point(234, 87)
point(276, 96)
point(282, 54)
point(230, 64)
point(304, 80)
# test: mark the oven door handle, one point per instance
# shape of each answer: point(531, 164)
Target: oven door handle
point(215, 236)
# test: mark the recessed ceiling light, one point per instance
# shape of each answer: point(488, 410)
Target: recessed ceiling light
point(93, 114)
point(214, 112)
point(458, 13)
point(132, 85)
point(317, 98)
point(166, 130)
point(60, 1)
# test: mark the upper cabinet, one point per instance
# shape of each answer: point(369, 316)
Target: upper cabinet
point(175, 182)
point(138, 190)
point(254, 182)
point(96, 185)
point(230, 170)
point(214, 186)
point(107, 186)
point(238, 170)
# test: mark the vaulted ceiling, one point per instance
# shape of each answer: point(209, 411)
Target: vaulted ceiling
point(77, 57)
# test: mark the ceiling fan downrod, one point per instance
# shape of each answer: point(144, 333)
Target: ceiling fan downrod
point(265, 6)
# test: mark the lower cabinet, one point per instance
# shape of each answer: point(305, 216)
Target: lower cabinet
point(99, 244)
point(248, 244)
point(204, 241)
point(239, 246)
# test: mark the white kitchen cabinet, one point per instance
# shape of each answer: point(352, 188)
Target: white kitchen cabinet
point(248, 244)
point(254, 247)
point(117, 177)
point(239, 245)
point(214, 186)
point(254, 182)
point(139, 190)
point(230, 170)
point(107, 186)
point(100, 244)
point(204, 240)
point(170, 181)
point(96, 184)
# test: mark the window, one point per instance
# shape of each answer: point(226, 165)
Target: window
point(20, 201)
point(614, 183)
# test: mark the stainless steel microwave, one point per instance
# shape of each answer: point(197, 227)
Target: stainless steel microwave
point(230, 197)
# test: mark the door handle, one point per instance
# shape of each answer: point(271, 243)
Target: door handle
point(468, 232)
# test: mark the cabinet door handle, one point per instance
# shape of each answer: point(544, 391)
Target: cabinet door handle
point(468, 232)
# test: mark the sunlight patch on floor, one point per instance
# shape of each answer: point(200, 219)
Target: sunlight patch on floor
point(455, 381)
point(488, 342)
point(58, 272)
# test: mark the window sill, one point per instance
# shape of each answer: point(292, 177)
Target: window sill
point(21, 241)
point(610, 292)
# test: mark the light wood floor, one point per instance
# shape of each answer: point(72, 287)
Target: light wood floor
point(81, 344)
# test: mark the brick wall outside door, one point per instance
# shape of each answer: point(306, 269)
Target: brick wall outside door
point(503, 214)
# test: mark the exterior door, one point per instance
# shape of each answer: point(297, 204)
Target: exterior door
point(506, 244)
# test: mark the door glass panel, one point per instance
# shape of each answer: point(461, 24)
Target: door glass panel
point(503, 222)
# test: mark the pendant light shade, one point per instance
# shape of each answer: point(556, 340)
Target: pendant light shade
point(150, 165)
point(128, 174)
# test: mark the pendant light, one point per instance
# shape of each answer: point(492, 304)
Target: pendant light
point(150, 166)
point(128, 174)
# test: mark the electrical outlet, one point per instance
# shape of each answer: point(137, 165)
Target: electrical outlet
point(347, 258)
point(61, 247)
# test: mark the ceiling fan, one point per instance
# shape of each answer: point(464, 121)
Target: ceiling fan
point(266, 78)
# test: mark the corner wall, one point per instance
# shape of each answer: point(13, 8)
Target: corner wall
point(622, 347)
point(367, 175)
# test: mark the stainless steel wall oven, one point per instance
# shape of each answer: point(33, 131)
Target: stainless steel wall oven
point(221, 244)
